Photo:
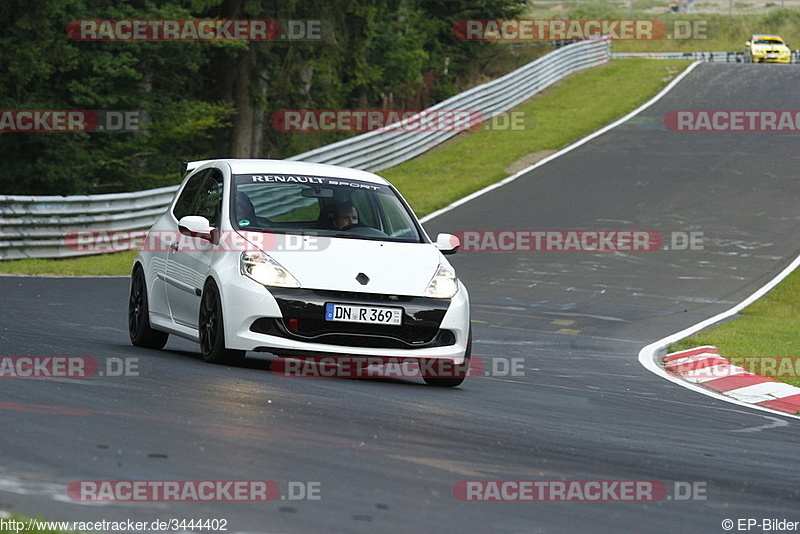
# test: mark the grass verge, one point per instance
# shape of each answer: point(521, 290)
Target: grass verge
point(718, 33)
point(764, 338)
point(710, 32)
point(116, 264)
point(574, 108)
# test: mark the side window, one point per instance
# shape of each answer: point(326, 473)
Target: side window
point(209, 201)
point(186, 200)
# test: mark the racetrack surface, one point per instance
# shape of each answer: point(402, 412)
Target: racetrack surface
point(388, 452)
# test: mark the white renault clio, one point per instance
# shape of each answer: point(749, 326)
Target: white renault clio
point(299, 260)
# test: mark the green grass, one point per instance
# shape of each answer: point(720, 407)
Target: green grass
point(765, 329)
point(720, 33)
point(117, 264)
point(577, 106)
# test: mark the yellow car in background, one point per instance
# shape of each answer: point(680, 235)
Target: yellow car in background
point(762, 48)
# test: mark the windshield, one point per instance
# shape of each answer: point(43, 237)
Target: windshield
point(769, 41)
point(283, 203)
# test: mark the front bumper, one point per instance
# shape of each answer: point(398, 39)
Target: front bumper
point(292, 322)
point(771, 57)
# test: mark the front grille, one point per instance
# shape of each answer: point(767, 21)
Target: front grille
point(304, 311)
point(356, 296)
point(399, 339)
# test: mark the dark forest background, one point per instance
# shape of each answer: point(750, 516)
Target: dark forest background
point(214, 99)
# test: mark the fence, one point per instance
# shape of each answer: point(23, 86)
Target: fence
point(709, 57)
point(36, 226)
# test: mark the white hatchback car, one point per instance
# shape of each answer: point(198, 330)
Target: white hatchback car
point(299, 260)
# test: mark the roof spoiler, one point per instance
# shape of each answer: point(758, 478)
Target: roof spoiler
point(189, 166)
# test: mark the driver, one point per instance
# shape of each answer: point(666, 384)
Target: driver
point(344, 214)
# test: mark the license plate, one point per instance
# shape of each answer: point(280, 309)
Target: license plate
point(772, 56)
point(354, 313)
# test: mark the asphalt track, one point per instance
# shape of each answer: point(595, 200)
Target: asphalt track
point(388, 453)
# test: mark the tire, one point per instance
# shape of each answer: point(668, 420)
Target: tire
point(211, 328)
point(139, 329)
point(460, 372)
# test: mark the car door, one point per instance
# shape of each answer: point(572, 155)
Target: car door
point(163, 235)
point(189, 257)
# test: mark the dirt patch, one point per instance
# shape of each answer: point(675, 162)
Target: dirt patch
point(526, 161)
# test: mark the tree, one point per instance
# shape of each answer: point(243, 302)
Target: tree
point(214, 99)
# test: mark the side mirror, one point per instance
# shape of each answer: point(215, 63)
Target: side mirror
point(447, 243)
point(196, 226)
point(747, 43)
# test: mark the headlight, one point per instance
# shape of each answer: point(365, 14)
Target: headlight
point(266, 271)
point(443, 285)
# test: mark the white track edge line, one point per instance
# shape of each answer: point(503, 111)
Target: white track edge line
point(564, 150)
point(648, 354)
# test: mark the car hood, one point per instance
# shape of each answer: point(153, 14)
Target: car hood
point(335, 263)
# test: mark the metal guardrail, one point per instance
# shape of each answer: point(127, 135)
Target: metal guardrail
point(380, 149)
point(709, 57)
point(36, 226)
